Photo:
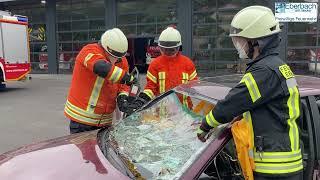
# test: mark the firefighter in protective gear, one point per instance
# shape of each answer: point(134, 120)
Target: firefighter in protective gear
point(168, 70)
point(99, 78)
point(267, 97)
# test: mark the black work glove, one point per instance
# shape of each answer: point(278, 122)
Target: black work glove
point(122, 102)
point(203, 131)
point(138, 103)
point(128, 80)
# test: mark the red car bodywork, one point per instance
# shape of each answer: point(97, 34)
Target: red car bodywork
point(79, 156)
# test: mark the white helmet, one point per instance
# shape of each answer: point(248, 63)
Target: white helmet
point(169, 38)
point(115, 42)
point(254, 22)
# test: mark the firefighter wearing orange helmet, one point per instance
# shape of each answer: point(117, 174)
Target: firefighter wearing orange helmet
point(168, 70)
point(99, 79)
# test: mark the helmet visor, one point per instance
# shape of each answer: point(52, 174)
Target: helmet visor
point(241, 45)
point(169, 51)
point(116, 53)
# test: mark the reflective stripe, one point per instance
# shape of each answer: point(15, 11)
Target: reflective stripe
point(211, 121)
point(184, 81)
point(123, 93)
point(116, 74)
point(88, 57)
point(149, 93)
point(252, 86)
point(88, 120)
point(85, 113)
point(184, 78)
point(279, 168)
point(294, 113)
point(95, 94)
point(291, 83)
point(278, 156)
point(162, 82)
point(193, 75)
point(151, 77)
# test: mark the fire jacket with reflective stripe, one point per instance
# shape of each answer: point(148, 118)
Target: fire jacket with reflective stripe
point(92, 99)
point(165, 73)
point(269, 99)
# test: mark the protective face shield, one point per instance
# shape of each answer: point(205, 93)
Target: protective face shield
point(170, 52)
point(113, 59)
point(241, 44)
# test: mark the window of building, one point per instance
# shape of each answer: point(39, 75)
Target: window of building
point(142, 21)
point(212, 47)
point(79, 22)
point(302, 50)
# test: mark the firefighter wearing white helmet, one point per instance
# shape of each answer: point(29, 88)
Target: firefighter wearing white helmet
point(100, 81)
point(268, 99)
point(115, 43)
point(169, 42)
point(168, 70)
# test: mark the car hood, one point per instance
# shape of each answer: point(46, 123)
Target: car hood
point(71, 157)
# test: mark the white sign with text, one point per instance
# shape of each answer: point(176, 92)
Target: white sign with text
point(296, 12)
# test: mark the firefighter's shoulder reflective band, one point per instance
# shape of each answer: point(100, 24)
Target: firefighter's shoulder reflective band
point(149, 93)
point(151, 77)
point(162, 82)
point(88, 58)
point(278, 168)
point(211, 121)
point(277, 156)
point(193, 75)
point(116, 74)
point(252, 86)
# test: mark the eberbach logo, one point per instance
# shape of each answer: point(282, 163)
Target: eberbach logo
point(294, 7)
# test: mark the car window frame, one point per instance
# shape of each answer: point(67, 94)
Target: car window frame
point(212, 150)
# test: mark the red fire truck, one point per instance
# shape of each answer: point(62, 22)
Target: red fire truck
point(14, 48)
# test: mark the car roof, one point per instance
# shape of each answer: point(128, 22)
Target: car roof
point(218, 87)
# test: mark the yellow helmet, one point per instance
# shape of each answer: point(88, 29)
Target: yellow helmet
point(254, 22)
point(115, 42)
point(170, 38)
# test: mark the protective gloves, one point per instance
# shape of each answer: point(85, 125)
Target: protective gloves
point(203, 131)
point(122, 102)
point(141, 100)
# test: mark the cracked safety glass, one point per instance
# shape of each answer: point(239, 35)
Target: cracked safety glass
point(160, 141)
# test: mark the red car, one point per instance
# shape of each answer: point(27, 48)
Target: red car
point(159, 142)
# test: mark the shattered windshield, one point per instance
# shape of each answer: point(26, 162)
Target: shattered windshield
point(160, 141)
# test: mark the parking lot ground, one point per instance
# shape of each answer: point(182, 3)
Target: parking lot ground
point(32, 111)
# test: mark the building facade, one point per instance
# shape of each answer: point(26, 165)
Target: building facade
point(60, 28)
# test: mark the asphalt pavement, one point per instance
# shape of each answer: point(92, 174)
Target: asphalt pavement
point(32, 111)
